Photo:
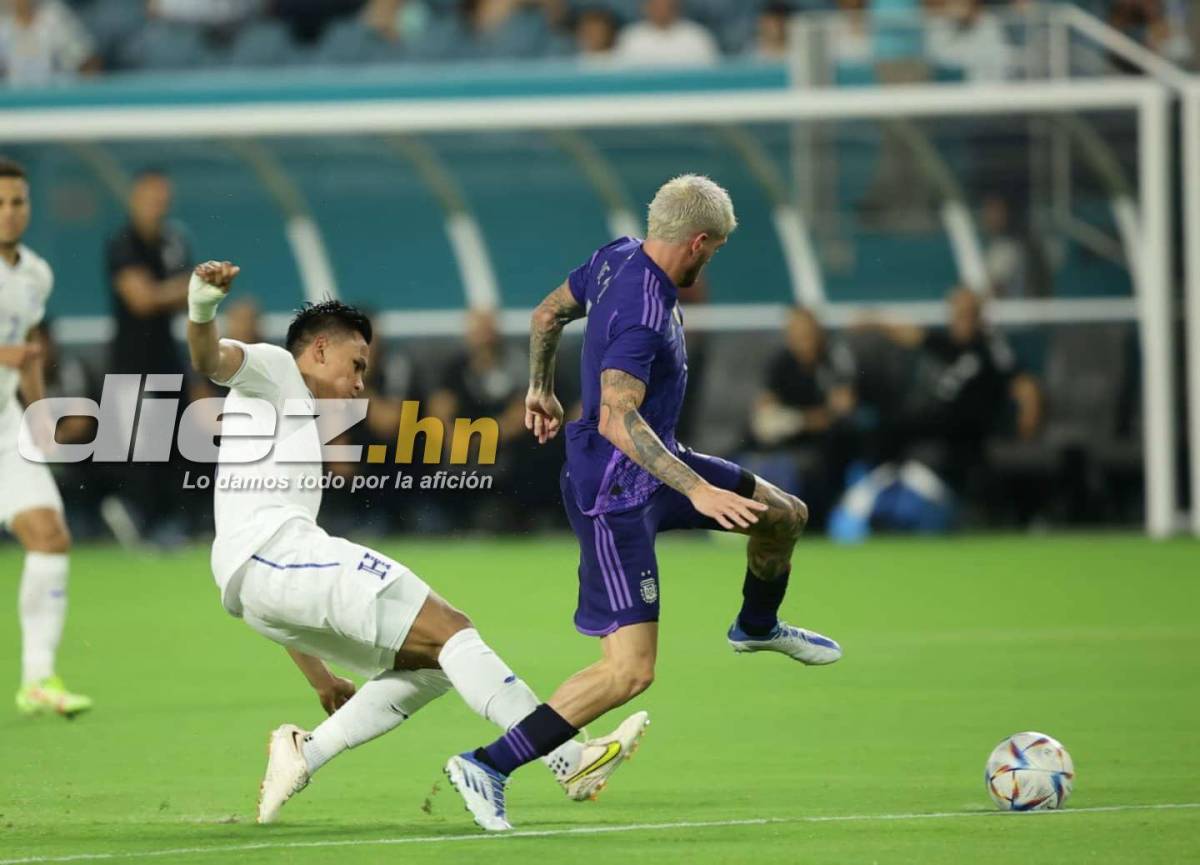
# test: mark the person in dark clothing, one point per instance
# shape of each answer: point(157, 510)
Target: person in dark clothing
point(968, 380)
point(804, 413)
point(148, 269)
point(149, 263)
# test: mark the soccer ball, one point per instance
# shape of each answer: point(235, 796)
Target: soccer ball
point(1029, 772)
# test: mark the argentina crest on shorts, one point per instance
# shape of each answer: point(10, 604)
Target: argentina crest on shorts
point(649, 587)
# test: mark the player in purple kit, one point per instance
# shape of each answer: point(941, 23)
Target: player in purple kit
point(627, 478)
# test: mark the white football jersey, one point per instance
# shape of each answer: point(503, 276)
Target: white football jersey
point(24, 288)
point(252, 500)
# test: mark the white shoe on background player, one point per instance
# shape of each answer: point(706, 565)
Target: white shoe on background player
point(482, 791)
point(807, 647)
point(287, 772)
point(601, 757)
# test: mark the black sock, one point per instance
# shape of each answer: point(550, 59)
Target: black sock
point(539, 733)
point(760, 603)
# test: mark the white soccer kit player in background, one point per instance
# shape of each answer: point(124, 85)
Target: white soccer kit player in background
point(30, 506)
point(325, 598)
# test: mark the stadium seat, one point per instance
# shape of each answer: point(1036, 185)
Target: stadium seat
point(263, 43)
point(162, 45)
point(112, 24)
point(350, 42)
point(525, 34)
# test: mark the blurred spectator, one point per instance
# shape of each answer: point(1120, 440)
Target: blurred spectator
point(967, 380)
point(1015, 258)
point(771, 42)
point(242, 321)
point(488, 379)
point(43, 41)
point(210, 13)
point(850, 37)
point(966, 38)
point(664, 38)
point(595, 33)
point(809, 386)
point(971, 378)
point(1161, 25)
point(395, 20)
point(804, 413)
point(308, 18)
point(148, 267)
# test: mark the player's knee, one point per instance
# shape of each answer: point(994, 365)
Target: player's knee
point(797, 516)
point(633, 679)
point(45, 532)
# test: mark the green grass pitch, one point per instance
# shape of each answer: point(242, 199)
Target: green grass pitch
point(950, 646)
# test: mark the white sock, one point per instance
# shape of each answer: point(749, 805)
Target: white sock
point(43, 612)
point(492, 690)
point(380, 705)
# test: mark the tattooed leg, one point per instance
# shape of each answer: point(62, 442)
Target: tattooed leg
point(772, 538)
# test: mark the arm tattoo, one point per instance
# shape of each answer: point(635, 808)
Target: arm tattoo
point(620, 396)
point(552, 315)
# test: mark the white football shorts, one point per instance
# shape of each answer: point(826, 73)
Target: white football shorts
point(331, 598)
point(24, 485)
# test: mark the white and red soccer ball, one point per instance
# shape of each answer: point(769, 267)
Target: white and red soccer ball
point(1029, 772)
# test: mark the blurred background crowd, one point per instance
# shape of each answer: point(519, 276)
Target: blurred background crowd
point(878, 422)
point(882, 424)
point(43, 41)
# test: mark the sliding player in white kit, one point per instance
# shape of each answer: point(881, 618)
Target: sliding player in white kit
point(30, 506)
point(325, 598)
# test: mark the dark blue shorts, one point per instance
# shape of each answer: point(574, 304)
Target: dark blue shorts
point(618, 571)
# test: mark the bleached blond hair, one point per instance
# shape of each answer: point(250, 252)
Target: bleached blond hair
point(688, 205)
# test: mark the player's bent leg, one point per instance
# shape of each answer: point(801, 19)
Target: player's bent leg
point(379, 706)
point(757, 627)
point(42, 531)
point(625, 670)
point(481, 776)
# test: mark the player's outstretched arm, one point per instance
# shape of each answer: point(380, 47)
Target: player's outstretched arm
point(543, 411)
point(621, 396)
point(209, 285)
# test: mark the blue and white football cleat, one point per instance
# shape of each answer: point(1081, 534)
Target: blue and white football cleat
point(482, 791)
point(807, 647)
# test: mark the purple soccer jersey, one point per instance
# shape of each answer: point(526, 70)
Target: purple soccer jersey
point(634, 325)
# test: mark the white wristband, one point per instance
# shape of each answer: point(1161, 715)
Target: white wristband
point(203, 300)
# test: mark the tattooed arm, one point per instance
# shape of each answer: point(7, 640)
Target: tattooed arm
point(543, 412)
point(621, 395)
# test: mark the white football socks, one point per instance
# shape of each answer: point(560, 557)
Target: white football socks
point(43, 608)
point(380, 705)
point(492, 690)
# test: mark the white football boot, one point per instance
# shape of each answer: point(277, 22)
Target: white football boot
point(482, 791)
point(287, 771)
point(601, 757)
point(807, 647)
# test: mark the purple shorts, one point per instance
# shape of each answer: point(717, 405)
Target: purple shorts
point(618, 571)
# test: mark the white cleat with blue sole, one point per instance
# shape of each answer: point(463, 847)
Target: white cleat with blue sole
point(482, 789)
point(807, 647)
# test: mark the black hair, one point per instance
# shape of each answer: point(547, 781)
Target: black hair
point(147, 171)
point(9, 168)
point(313, 319)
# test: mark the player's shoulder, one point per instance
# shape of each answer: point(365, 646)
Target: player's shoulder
point(37, 269)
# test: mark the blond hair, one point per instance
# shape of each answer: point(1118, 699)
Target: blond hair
point(688, 205)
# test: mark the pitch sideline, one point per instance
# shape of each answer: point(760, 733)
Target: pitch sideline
point(583, 830)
